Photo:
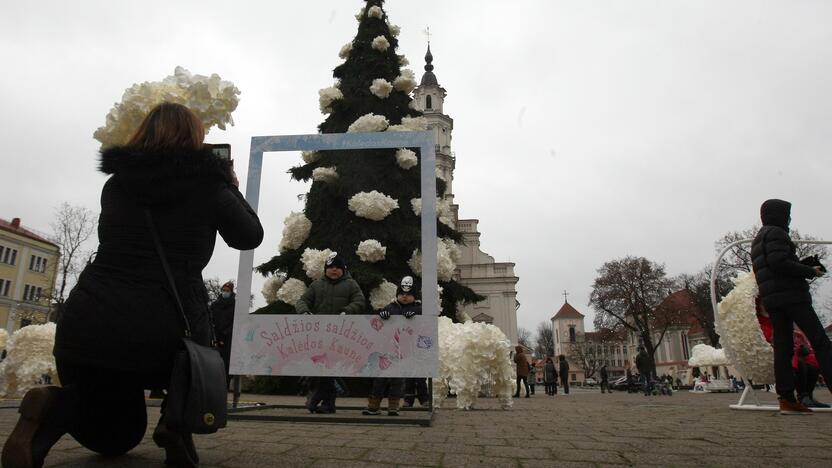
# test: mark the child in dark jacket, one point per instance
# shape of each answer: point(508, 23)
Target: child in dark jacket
point(406, 304)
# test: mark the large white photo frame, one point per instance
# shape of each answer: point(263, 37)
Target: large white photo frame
point(415, 341)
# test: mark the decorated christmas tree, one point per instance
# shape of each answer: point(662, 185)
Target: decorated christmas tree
point(365, 204)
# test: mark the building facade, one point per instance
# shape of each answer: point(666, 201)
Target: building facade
point(496, 281)
point(28, 270)
point(586, 351)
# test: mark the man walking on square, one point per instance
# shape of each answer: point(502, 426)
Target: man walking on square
point(784, 291)
point(644, 371)
point(605, 383)
point(522, 370)
point(564, 374)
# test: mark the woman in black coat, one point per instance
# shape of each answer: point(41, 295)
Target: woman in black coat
point(120, 327)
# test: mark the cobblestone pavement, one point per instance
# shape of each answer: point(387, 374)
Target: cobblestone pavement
point(582, 429)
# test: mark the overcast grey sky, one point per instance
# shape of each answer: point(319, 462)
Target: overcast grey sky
point(584, 131)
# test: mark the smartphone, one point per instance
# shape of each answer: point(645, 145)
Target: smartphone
point(222, 150)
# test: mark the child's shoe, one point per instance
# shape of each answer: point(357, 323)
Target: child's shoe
point(373, 405)
point(392, 407)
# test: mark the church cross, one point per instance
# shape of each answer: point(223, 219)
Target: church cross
point(427, 34)
point(565, 299)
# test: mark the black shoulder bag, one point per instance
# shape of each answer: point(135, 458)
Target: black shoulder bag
point(196, 399)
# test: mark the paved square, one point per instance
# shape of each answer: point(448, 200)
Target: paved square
point(584, 429)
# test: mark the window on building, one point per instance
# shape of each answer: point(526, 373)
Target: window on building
point(428, 102)
point(571, 333)
point(37, 263)
point(31, 293)
point(685, 349)
point(8, 255)
point(5, 285)
point(574, 377)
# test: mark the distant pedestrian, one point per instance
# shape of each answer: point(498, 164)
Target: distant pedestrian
point(564, 373)
point(522, 362)
point(550, 377)
point(222, 313)
point(532, 378)
point(605, 383)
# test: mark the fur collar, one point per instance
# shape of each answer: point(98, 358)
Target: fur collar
point(161, 176)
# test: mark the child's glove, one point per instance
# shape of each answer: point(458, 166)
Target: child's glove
point(384, 314)
point(409, 314)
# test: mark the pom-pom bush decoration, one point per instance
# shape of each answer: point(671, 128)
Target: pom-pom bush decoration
point(704, 355)
point(406, 82)
point(327, 96)
point(381, 88)
point(360, 15)
point(28, 358)
point(371, 251)
point(271, 287)
point(443, 210)
point(291, 291)
point(394, 30)
point(406, 158)
point(325, 174)
point(344, 53)
point(209, 97)
point(374, 12)
point(403, 61)
point(372, 205)
point(447, 256)
point(740, 334)
point(369, 123)
point(470, 355)
point(296, 228)
point(313, 262)
point(384, 294)
point(381, 44)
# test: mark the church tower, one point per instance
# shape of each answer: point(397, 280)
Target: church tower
point(430, 99)
point(477, 270)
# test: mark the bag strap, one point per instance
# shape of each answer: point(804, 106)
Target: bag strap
point(166, 267)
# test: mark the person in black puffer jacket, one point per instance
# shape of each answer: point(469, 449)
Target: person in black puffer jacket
point(121, 327)
point(407, 305)
point(781, 279)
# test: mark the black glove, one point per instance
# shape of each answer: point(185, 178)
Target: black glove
point(384, 314)
point(409, 314)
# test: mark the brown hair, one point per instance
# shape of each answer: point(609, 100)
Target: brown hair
point(169, 125)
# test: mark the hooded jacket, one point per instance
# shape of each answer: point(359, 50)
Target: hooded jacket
point(331, 297)
point(781, 277)
point(122, 315)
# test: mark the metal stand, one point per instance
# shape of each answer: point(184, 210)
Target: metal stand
point(742, 406)
point(235, 385)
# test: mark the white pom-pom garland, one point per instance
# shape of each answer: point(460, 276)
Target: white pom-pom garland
point(447, 257)
point(381, 44)
point(371, 251)
point(325, 174)
point(271, 287)
point(327, 96)
point(406, 158)
point(372, 205)
point(296, 228)
point(384, 294)
point(369, 123)
point(381, 88)
point(345, 51)
point(406, 81)
point(313, 262)
point(374, 12)
point(291, 291)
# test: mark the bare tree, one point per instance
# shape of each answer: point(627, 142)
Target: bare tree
point(545, 341)
point(702, 310)
point(625, 295)
point(524, 337)
point(71, 228)
point(738, 259)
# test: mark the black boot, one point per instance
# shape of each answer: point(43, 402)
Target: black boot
point(179, 448)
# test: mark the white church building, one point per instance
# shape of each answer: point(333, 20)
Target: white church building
point(477, 270)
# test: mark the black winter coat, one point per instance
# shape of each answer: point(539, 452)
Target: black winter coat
point(781, 278)
point(121, 315)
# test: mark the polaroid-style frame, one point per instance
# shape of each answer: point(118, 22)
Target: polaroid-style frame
point(341, 345)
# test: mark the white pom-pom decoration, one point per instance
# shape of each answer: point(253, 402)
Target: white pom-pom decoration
point(381, 88)
point(360, 14)
point(371, 251)
point(271, 287)
point(327, 96)
point(296, 228)
point(394, 30)
point(443, 210)
point(29, 358)
point(313, 262)
point(325, 174)
point(369, 123)
point(291, 291)
point(403, 61)
point(447, 257)
point(471, 355)
point(384, 294)
point(344, 53)
point(406, 158)
point(374, 12)
point(381, 44)
point(410, 124)
point(406, 81)
point(310, 156)
point(372, 205)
